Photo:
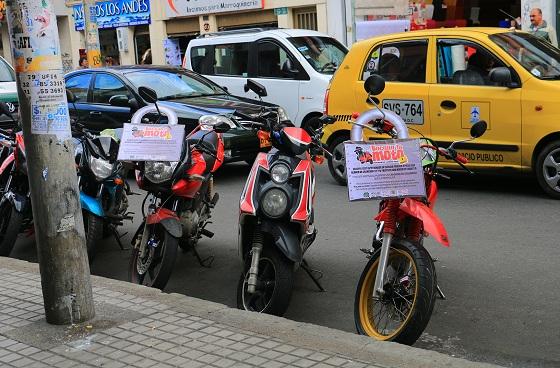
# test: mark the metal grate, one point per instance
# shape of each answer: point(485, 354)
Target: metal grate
point(306, 18)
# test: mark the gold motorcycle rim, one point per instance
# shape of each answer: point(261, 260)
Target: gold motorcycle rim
point(371, 324)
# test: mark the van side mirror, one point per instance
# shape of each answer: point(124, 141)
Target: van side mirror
point(288, 68)
point(374, 85)
point(256, 87)
point(501, 75)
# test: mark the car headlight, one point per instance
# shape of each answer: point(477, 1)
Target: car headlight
point(101, 168)
point(208, 121)
point(280, 173)
point(159, 171)
point(274, 203)
point(282, 114)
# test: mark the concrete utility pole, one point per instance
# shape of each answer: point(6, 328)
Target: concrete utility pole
point(57, 214)
point(92, 34)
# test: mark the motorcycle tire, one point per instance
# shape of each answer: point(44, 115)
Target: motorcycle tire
point(410, 296)
point(164, 256)
point(10, 224)
point(93, 226)
point(275, 268)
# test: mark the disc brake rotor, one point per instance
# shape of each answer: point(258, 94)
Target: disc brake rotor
point(143, 264)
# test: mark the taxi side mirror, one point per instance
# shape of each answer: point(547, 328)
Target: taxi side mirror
point(502, 76)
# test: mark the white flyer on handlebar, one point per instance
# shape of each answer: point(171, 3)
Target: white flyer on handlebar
point(151, 142)
point(384, 169)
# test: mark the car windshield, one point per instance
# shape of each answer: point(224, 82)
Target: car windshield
point(324, 54)
point(539, 57)
point(171, 85)
point(6, 72)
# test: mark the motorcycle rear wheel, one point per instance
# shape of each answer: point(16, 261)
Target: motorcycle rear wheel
point(10, 224)
point(275, 280)
point(409, 295)
point(93, 226)
point(159, 267)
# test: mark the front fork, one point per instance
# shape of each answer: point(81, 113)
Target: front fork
point(255, 257)
point(389, 227)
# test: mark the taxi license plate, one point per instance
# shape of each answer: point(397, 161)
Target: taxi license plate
point(411, 111)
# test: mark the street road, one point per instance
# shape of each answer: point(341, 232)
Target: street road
point(500, 275)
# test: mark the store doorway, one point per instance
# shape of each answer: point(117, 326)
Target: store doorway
point(142, 45)
point(109, 45)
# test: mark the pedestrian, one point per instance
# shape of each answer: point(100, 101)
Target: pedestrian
point(83, 63)
point(540, 29)
point(109, 61)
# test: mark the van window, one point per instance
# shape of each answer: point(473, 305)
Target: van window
point(398, 61)
point(271, 59)
point(231, 59)
point(202, 60)
point(324, 54)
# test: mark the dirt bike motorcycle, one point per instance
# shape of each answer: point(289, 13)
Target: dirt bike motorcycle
point(276, 218)
point(397, 289)
point(15, 204)
point(180, 196)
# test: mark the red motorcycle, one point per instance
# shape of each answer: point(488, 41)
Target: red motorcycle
point(398, 286)
point(181, 197)
point(276, 220)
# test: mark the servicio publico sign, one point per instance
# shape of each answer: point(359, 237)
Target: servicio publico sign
point(151, 142)
point(181, 8)
point(115, 13)
point(384, 169)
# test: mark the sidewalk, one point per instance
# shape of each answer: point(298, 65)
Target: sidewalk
point(137, 326)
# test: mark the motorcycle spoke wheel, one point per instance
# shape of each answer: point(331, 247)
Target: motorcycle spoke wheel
point(385, 316)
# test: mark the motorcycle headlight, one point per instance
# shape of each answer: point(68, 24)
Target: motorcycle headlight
point(159, 171)
point(207, 122)
point(274, 203)
point(280, 173)
point(101, 168)
point(282, 114)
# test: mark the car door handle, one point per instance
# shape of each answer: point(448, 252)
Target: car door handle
point(95, 113)
point(448, 105)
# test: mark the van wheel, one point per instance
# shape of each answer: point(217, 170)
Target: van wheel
point(337, 163)
point(547, 169)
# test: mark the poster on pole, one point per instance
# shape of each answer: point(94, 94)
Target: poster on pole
point(151, 142)
point(384, 169)
point(172, 51)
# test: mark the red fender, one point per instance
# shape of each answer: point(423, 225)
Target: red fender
point(432, 194)
point(7, 162)
point(160, 215)
point(432, 223)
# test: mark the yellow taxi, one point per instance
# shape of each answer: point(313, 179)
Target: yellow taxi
point(439, 82)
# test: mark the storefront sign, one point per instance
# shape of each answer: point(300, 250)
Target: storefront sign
point(181, 8)
point(115, 13)
point(151, 142)
point(281, 11)
point(384, 169)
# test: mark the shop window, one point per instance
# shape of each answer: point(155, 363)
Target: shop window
point(107, 86)
point(231, 59)
point(306, 18)
point(466, 63)
point(398, 62)
point(79, 86)
point(271, 58)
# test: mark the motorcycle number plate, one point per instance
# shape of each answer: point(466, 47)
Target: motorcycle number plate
point(264, 139)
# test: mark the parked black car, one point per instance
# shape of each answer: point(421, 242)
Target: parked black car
point(107, 98)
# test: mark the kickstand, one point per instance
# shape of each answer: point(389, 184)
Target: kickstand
point(206, 262)
point(441, 294)
point(118, 237)
point(310, 272)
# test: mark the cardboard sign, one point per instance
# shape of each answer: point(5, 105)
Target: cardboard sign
point(384, 169)
point(151, 142)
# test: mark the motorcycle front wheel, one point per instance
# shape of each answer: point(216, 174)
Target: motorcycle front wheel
point(274, 284)
point(154, 268)
point(93, 226)
point(10, 224)
point(403, 312)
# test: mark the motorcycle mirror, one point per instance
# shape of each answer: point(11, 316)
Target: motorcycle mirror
point(375, 84)
point(256, 87)
point(70, 96)
point(4, 109)
point(221, 127)
point(478, 129)
point(148, 94)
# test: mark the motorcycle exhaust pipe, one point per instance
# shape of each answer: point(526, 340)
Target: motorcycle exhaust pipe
point(255, 257)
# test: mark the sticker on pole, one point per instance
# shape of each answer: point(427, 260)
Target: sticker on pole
point(151, 142)
point(384, 169)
